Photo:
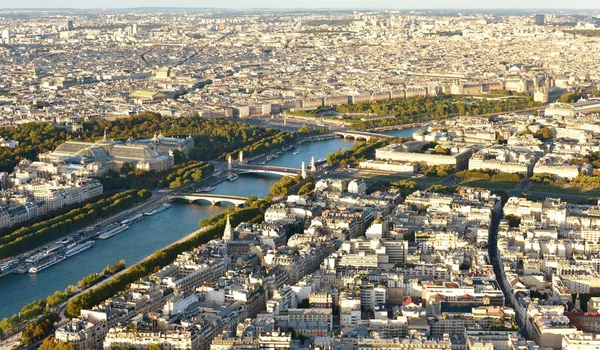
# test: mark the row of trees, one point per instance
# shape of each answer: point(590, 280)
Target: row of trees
point(34, 138)
point(96, 277)
point(156, 261)
point(592, 158)
point(180, 175)
point(30, 237)
point(39, 307)
point(212, 137)
point(52, 214)
point(359, 152)
point(265, 145)
point(186, 173)
point(426, 108)
point(582, 180)
point(282, 187)
point(441, 170)
point(39, 328)
point(486, 175)
point(306, 188)
point(584, 32)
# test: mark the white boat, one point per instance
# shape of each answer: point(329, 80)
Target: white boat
point(35, 258)
point(158, 209)
point(78, 248)
point(133, 219)
point(233, 177)
point(205, 189)
point(295, 153)
point(7, 266)
point(113, 231)
point(46, 264)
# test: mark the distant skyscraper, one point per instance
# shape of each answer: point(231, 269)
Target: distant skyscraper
point(134, 29)
point(174, 29)
point(540, 20)
point(69, 24)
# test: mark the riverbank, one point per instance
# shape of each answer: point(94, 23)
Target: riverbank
point(84, 233)
point(154, 232)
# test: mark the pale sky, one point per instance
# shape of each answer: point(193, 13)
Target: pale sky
point(306, 4)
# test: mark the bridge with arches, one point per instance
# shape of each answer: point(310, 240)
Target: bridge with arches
point(213, 199)
point(242, 168)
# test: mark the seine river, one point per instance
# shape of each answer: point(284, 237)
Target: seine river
point(153, 232)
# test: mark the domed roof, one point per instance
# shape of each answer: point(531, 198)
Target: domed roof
point(96, 153)
point(150, 153)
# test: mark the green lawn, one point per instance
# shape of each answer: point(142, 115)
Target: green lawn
point(488, 184)
point(397, 177)
point(565, 190)
point(492, 185)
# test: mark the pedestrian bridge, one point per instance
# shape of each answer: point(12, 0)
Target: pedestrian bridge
point(254, 168)
point(213, 199)
point(362, 135)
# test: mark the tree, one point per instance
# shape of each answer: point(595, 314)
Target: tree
point(304, 130)
point(544, 133)
point(440, 189)
point(513, 221)
point(56, 299)
point(306, 189)
point(51, 343)
point(39, 328)
point(126, 168)
point(178, 156)
point(304, 304)
point(251, 199)
point(441, 150)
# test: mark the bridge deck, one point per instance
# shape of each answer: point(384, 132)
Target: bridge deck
point(208, 195)
point(364, 134)
point(264, 167)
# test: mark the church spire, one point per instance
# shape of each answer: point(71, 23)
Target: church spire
point(228, 233)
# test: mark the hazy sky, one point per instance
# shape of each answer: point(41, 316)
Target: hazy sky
point(399, 4)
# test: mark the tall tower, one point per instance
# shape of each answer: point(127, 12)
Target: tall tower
point(228, 233)
point(540, 20)
point(174, 28)
point(69, 25)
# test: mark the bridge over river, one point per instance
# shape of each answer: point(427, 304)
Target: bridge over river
point(213, 199)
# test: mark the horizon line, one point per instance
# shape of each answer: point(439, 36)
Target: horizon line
point(306, 8)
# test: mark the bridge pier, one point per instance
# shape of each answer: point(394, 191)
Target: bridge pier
point(303, 171)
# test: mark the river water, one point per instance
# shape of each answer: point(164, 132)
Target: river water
point(153, 232)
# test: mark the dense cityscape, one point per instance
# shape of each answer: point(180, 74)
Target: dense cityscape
point(299, 179)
